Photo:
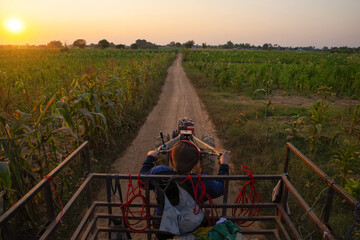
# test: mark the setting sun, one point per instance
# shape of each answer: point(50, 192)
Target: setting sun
point(14, 25)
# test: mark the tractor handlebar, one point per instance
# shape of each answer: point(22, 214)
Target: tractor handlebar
point(166, 151)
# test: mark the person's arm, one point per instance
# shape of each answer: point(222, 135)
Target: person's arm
point(216, 188)
point(223, 169)
point(224, 163)
point(150, 160)
point(148, 164)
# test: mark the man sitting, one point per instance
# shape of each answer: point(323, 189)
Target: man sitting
point(185, 157)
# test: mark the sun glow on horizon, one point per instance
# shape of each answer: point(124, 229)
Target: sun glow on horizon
point(282, 22)
point(14, 25)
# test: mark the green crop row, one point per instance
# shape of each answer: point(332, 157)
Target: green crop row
point(51, 101)
point(303, 72)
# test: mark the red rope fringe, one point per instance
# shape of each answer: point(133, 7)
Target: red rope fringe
point(244, 198)
point(56, 194)
point(200, 200)
point(139, 215)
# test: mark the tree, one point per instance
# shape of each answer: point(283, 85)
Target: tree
point(104, 44)
point(189, 44)
point(172, 44)
point(178, 45)
point(55, 44)
point(134, 46)
point(230, 45)
point(143, 44)
point(80, 43)
point(120, 46)
point(204, 45)
point(267, 46)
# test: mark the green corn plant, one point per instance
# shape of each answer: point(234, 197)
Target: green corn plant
point(346, 160)
point(5, 189)
point(325, 92)
point(5, 180)
point(7, 93)
point(355, 120)
point(13, 144)
point(82, 116)
point(25, 135)
point(26, 141)
point(315, 128)
point(267, 92)
point(5, 184)
point(352, 186)
point(42, 119)
point(294, 128)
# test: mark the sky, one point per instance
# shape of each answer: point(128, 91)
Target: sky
point(318, 23)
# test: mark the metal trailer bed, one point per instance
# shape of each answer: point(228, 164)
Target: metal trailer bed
point(89, 229)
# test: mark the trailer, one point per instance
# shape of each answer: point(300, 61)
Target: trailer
point(103, 224)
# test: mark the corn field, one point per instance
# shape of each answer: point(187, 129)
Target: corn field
point(331, 134)
point(303, 72)
point(51, 101)
point(256, 128)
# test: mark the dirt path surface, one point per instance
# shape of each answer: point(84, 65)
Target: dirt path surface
point(177, 100)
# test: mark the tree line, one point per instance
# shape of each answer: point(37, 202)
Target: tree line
point(143, 44)
point(138, 44)
point(270, 46)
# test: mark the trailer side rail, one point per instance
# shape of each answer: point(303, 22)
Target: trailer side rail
point(88, 229)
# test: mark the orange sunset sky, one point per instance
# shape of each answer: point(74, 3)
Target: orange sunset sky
point(286, 22)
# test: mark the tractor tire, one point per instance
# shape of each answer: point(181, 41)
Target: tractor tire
point(209, 140)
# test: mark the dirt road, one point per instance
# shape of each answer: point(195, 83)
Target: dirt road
point(178, 99)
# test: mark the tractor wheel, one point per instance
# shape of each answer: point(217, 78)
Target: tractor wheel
point(209, 140)
point(158, 141)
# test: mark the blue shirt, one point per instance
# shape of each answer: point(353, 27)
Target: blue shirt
point(213, 188)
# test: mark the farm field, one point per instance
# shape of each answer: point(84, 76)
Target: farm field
point(290, 71)
point(259, 100)
point(94, 96)
point(51, 101)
